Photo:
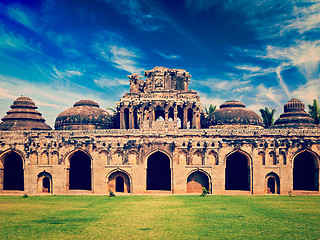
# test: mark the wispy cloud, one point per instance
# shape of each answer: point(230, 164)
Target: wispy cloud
point(65, 74)
point(168, 56)
point(248, 68)
point(139, 13)
point(50, 98)
point(122, 57)
point(21, 15)
point(105, 81)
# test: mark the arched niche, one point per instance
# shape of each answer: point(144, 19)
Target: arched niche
point(12, 171)
point(158, 171)
point(44, 182)
point(306, 171)
point(197, 180)
point(272, 183)
point(119, 181)
point(80, 170)
point(237, 172)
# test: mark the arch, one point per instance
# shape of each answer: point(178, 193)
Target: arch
point(171, 114)
point(283, 158)
point(262, 157)
point(44, 158)
point(55, 158)
point(158, 171)
point(183, 158)
point(212, 158)
point(132, 157)
point(237, 172)
point(103, 157)
point(34, 158)
point(190, 118)
point(159, 114)
point(117, 158)
point(13, 171)
point(306, 171)
point(80, 170)
point(198, 179)
point(119, 181)
point(135, 119)
point(273, 158)
point(197, 158)
point(272, 183)
point(44, 182)
point(126, 118)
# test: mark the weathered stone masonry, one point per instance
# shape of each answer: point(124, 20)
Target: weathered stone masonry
point(161, 147)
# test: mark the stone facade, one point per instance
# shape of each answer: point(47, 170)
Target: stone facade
point(161, 147)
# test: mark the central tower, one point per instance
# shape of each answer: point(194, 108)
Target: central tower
point(161, 101)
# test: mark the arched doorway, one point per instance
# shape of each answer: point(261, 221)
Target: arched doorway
point(13, 178)
point(196, 181)
point(158, 172)
point(272, 183)
point(237, 172)
point(119, 182)
point(80, 171)
point(306, 172)
point(44, 182)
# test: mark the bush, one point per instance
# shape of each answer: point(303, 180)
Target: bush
point(111, 194)
point(205, 192)
point(25, 195)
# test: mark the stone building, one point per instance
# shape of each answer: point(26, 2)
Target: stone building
point(156, 143)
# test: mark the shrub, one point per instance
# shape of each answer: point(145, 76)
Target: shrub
point(25, 195)
point(111, 194)
point(205, 192)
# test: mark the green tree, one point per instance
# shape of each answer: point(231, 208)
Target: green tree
point(210, 110)
point(314, 111)
point(267, 116)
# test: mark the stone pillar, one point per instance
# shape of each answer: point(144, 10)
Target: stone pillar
point(131, 119)
point(185, 118)
point(67, 178)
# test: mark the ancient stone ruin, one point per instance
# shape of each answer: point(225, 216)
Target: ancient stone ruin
point(157, 142)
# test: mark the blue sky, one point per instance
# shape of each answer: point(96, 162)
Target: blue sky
point(260, 52)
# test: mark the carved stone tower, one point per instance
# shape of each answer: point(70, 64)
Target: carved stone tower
point(161, 101)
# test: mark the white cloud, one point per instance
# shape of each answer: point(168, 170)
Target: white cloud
point(21, 15)
point(168, 57)
point(248, 68)
point(65, 74)
point(270, 93)
point(51, 99)
point(105, 81)
point(308, 91)
point(122, 57)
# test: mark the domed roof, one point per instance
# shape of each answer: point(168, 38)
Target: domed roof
point(84, 115)
point(23, 116)
point(234, 114)
point(294, 116)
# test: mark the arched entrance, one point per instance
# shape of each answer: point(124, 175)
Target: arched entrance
point(306, 172)
point(13, 178)
point(80, 171)
point(119, 182)
point(272, 183)
point(196, 181)
point(237, 172)
point(44, 182)
point(158, 172)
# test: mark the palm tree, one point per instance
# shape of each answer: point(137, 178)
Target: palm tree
point(267, 116)
point(210, 110)
point(314, 111)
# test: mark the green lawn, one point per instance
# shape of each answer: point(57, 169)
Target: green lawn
point(160, 217)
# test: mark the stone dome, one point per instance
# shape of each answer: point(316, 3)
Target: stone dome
point(84, 115)
point(23, 116)
point(294, 116)
point(234, 114)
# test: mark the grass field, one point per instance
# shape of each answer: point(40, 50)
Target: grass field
point(160, 217)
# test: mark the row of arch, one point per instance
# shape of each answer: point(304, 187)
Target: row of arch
point(238, 175)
